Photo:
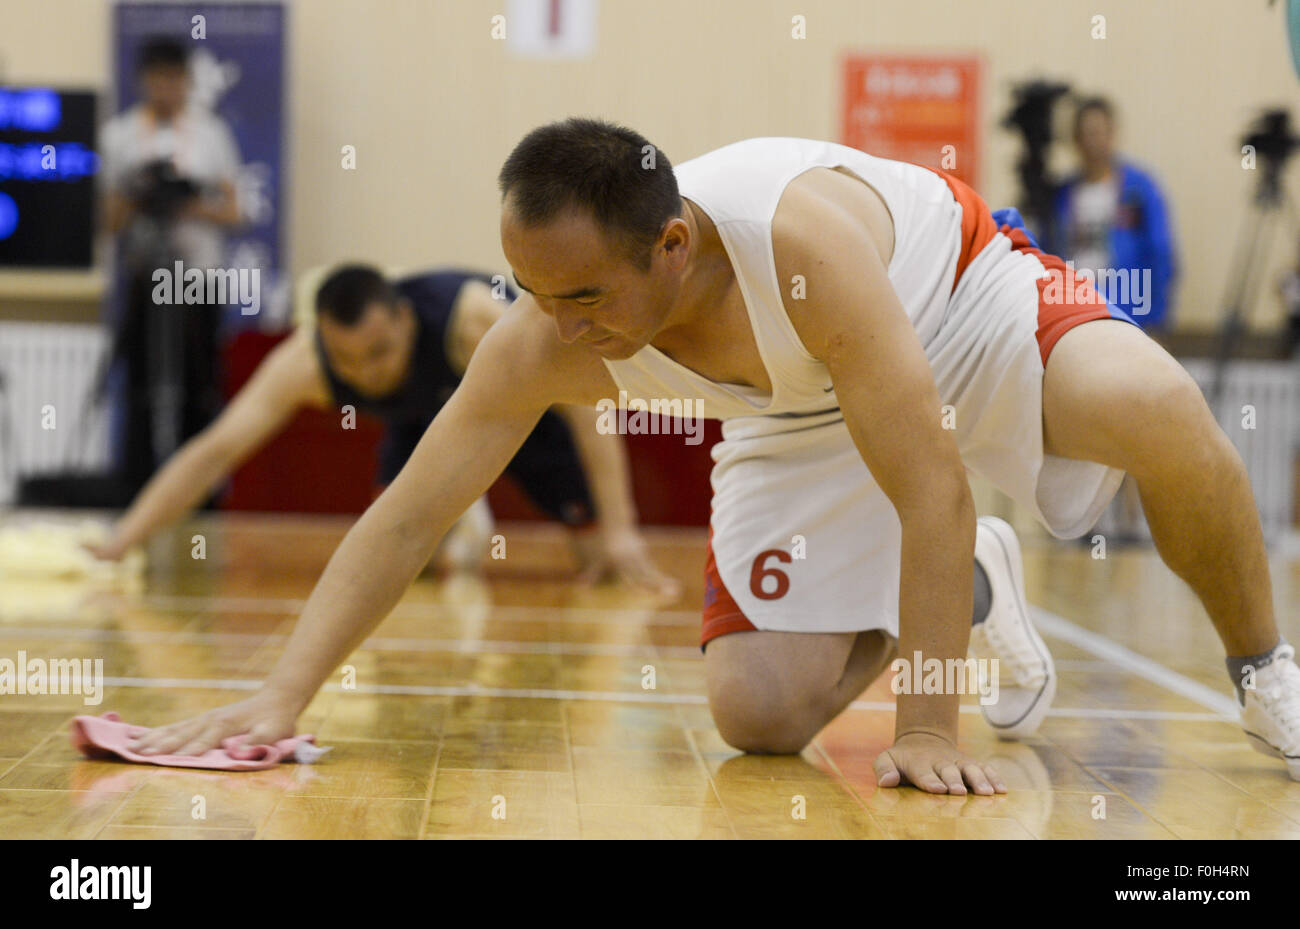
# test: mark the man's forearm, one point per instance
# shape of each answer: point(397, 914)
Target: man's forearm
point(171, 493)
point(604, 459)
point(365, 578)
point(935, 601)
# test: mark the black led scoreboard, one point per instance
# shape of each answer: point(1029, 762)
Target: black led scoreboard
point(47, 174)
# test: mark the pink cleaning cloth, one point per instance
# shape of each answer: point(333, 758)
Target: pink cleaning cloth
point(103, 737)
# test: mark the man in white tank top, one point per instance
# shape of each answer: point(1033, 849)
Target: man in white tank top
point(868, 331)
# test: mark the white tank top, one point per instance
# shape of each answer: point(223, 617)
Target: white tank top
point(738, 187)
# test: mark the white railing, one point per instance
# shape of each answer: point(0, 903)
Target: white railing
point(46, 371)
point(1260, 412)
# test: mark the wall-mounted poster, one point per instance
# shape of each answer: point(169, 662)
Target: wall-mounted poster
point(237, 74)
point(918, 108)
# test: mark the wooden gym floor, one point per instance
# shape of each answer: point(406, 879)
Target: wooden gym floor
point(522, 695)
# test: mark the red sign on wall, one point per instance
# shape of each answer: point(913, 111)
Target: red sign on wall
point(918, 108)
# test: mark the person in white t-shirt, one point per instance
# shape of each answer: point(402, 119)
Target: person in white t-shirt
point(168, 173)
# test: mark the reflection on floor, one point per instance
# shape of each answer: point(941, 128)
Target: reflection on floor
point(514, 707)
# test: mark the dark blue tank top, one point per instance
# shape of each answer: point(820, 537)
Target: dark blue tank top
point(546, 466)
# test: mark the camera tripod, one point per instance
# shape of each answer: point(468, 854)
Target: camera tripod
point(1273, 144)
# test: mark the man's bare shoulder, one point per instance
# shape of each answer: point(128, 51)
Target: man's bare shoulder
point(828, 197)
point(293, 369)
point(832, 237)
point(524, 347)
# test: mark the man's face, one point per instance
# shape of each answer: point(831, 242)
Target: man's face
point(1095, 136)
point(165, 88)
point(593, 292)
point(374, 355)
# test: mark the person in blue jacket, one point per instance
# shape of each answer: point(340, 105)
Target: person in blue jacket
point(1111, 219)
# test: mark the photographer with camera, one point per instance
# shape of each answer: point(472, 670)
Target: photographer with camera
point(168, 175)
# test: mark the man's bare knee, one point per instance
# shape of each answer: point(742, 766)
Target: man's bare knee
point(762, 727)
point(1174, 431)
point(771, 692)
point(755, 711)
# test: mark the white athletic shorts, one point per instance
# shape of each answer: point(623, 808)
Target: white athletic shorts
point(801, 537)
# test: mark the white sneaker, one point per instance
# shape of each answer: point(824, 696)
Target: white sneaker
point(465, 546)
point(1026, 674)
point(1271, 712)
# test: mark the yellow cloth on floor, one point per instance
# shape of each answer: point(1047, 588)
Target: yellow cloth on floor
point(52, 549)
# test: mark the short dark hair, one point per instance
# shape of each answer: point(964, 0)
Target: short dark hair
point(1088, 104)
point(162, 52)
point(345, 294)
point(599, 167)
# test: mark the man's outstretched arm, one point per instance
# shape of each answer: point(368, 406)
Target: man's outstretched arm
point(508, 385)
point(285, 381)
point(621, 547)
point(852, 320)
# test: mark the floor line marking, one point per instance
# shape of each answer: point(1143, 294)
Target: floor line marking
point(477, 690)
point(623, 614)
point(471, 646)
point(1109, 650)
point(1106, 649)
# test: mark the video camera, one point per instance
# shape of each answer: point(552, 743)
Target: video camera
point(1272, 139)
point(161, 191)
point(1031, 115)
